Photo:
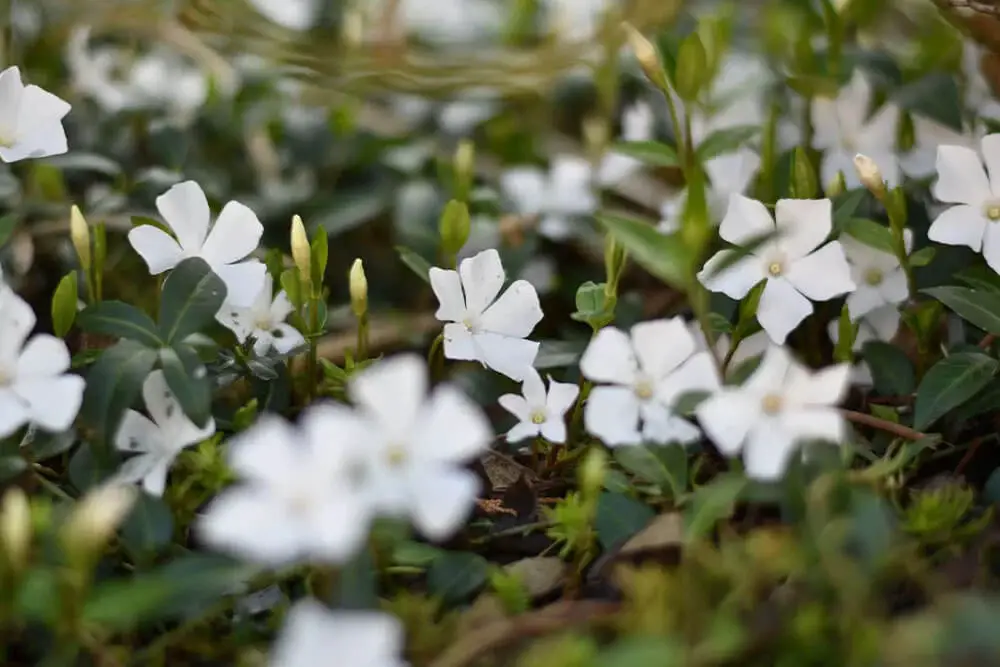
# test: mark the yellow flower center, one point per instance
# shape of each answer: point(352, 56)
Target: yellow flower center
point(771, 404)
point(775, 269)
point(538, 417)
point(644, 389)
point(992, 211)
point(5, 377)
point(395, 455)
point(874, 276)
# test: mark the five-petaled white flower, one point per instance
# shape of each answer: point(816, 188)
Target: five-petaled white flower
point(728, 174)
point(294, 503)
point(879, 277)
point(407, 449)
point(540, 412)
point(264, 320)
point(312, 634)
point(782, 404)
point(843, 129)
point(234, 235)
point(975, 220)
point(556, 198)
point(646, 372)
point(482, 326)
point(34, 384)
point(30, 119)
point(156, 442)
point(794, 269)
point(880, 324)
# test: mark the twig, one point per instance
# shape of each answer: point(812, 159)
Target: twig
point(549, 619)
point(897, 430)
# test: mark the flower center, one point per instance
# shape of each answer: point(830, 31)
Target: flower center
point(538, 417)
point(471, 324)
point(6, 378)
point(771, 404)
point(775, 269)
point(6, 139)
point(395, 455)
point(874, 276)
point(263, 324)
point(992, 211)
point(644, 389)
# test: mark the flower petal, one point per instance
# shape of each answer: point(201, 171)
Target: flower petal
point(697, 373)
point(612, 414)
point(803, 225)
point(768, 451)
point(961, 177)
point(157, 248)
point(516, 405)
point(482, 278)
point(458, 344)
point(154, 482)
point(285, 338)
point(894, 288)
point(392, 391)
point(781, 309)
point(235, 234)
point(554, 430)
point(746, 219)
point(253, 525)
point(515, 313)
point(266, 453)
point(533, 388)
point(662, 345)
point(244, 281)
point(822, 388)
point(864, 300)
point(609, 358)
point(562, 396)
point(733, 172)
point(736, 280)
point(991, 246)
point(441, 499)
point(39, 127)
point(238, 320)
point(11, 92)
point(447, 287)
point(524, 187)
point(960, 225)
point(451, 428)
point(185, 210)
point(727, 418)
point(771, 374)
point(822, 275)
point(815, 423)
point(13, 413)
point(281, 307)
point(661, 426)
point(17, 319)
point(506, 355)
point(53, 402)
point(137, 434)
point(523, 430)
point(44, 356)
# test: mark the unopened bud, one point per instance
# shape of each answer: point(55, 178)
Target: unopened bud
point(80, 234)
point(358, 286)
point(869, 174)
point(95, 518)
point(454, 227)
point(465, 156)
point(837, 186)
point(592, 472)
point(300, 249)
point(15, 528)
point(647, 56)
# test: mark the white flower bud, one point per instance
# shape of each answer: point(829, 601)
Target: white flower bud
point(96, 517)
point(15, 528)
point(301, 252)
point(869, 174)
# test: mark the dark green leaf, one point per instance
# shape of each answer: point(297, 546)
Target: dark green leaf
point(64, 302)
point(980, 307)
point(149, 527)
point(923, 257)
point(892, 371)
point(725, 141)
point(869, 232)
point(189, 382)
point(651, 466)
point(86, 470)
point(352, 208)
point(415, 263)
point(119, 319)
point(357, 583)
point(113, 383)
point(78, 161)
point(558, 354)
point(985, 401)
point(47, 445)
point(8, 223)
point(618, 518)
point(712, 503)
point(949, 383)
point(456, 575)
point(846, 205)
point(663, 255)
point(11, 466)
point(642, 652)
point(980, 277)
point(935, 96)
point(192, 295)
point(651, 153)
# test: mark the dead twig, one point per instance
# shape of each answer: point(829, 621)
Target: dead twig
point(871, 421)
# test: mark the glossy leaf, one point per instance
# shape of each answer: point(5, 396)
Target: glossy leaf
point(662, 255)
point(121, 320)
point(949, 383)
point(191, 297)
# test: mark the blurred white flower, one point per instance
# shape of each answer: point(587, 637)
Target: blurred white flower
point(963, 181)
point(843, 129)
point(484, 233)
point(638, 123)
point(265, 321)
point(727, 175)
point(482, 324)
point(919, 161)
point(879, 324)
point(645, 372)
point(443, 22)
point(979, 96)
point(156, 442)
point(782, 404)
point(232, 238)
point(576, 20)
point(313, 634)
point(295, 502)
point(795, 271)
point(456, 117)
point(558, 197)
point(35, 387)
point(30, 119)
point(408, 450)
point(752, 346)
point(291, 14)
point(879, 277)
point(540, 412)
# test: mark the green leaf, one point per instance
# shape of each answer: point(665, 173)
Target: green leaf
point(64, 305)
point(48, 445)
point(725, 141)
point(663, 255)
point(93, 162)
point(351, 208)
point(935, 96)
point(456, 575)
point(192, 295)
point(642, 652)
point(736, 253)
point(415, 263)
point(980, 307)
point(892, 371)
point(121, 320)
point(712, 503)
point(949, 383)
point(923, 257)
point(618, 518)
point(149, 526)
point(357, 583)
point(189, 382)
point(11, 466)
point(591, 305)
point(660, 466)
point(113, 383)
point(980, 277)
point(846, 205)
point(869, 232)
point(558, 354)
point(985, 401)
point(8, 223)
point(651, 153)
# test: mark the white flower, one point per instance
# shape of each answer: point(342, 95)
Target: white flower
point(794, 269)
point(576, 20)
point(265, 321)
point(750, 347)
point(291, 14)
point(557, 198)
point(314, 635)
point(538, 412)
point(156, 442)
point(30, 119)
point(234, 235)
point(637, 125)
point(782, 404)
point(408, 449)
point(34, 384)
point(728, 175)
point(843, 129)
point(879, 324)
point(879, 277)
point(962, 181)
point(296, 501)
point(647, 371)
point(919, 161)
point(482, 324)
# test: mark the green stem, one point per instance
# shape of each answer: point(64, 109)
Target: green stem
point(313, 347)
point(362, 347)
point(435, 357)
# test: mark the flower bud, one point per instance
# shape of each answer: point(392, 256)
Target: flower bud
point(301, 250)
point(837, 186)
point(358, 286)
point(465, 157)
point(804, 182)
point(454, 228)
point(95, 518)
point(647, 56)
point(593, 469)
point(869, 174)
point(15, 528)
point(80, 234)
